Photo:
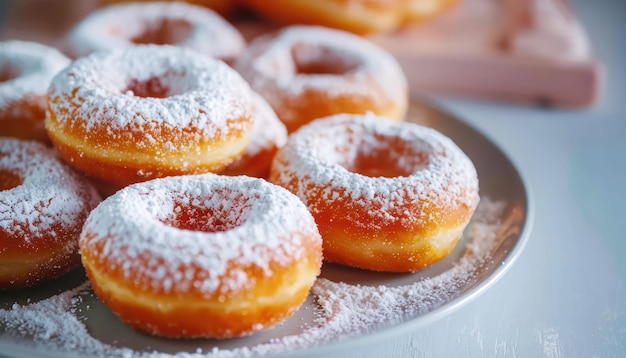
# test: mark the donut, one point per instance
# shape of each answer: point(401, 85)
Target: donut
point(223, 7)
point(421, 10)
point(43, 205)
point(309, 72)
point(149, 111)
point(268, 134)
point(391, 197)
point(26, 69)
point(358, 16)
point(173, 23)
point(201, 255)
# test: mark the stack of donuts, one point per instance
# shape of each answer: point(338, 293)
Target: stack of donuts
point(229, 170)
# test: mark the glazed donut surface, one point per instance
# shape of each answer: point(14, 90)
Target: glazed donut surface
point(149, 111)
point(420, 10)
point(361, 16)
point(386, 196)
point(358, 16)
point(26, 69)
point(43, 205)
point(201, 255)
point(171, 23)
point(309, 72)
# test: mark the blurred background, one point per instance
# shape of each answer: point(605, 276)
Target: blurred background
point(525, 51)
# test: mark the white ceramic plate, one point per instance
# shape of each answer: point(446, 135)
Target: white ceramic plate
point(499, 181)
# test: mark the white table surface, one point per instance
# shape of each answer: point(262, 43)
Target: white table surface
point(566, 295)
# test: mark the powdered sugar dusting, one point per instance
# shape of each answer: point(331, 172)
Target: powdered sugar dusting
point(50, 197)
point(249, 223)
point(316, 164)
point(267, 129)
point(268, 134)
point(342, 311)
point(53, 323)
point(190, 26)
point(350, 309)
point(200, 95)
point(270, 65)
point(27, 68)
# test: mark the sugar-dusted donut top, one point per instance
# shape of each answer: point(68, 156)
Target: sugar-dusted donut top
point(26, 68)
point(335, 62)
point(198, 233)
point(430, 170)
point(50, 197)
point(152, 93)
point(175, 23)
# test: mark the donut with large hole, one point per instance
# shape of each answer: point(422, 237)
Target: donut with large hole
point(386, 196)
point(126, 116)
point(202, 255)
point(309, 72)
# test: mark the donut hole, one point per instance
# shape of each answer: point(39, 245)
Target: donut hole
point(163, 32)
point(388, 157)
point(154, 87)
point(320, 60)
point(8, 72)
point(9, 180)
point(218, 213)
